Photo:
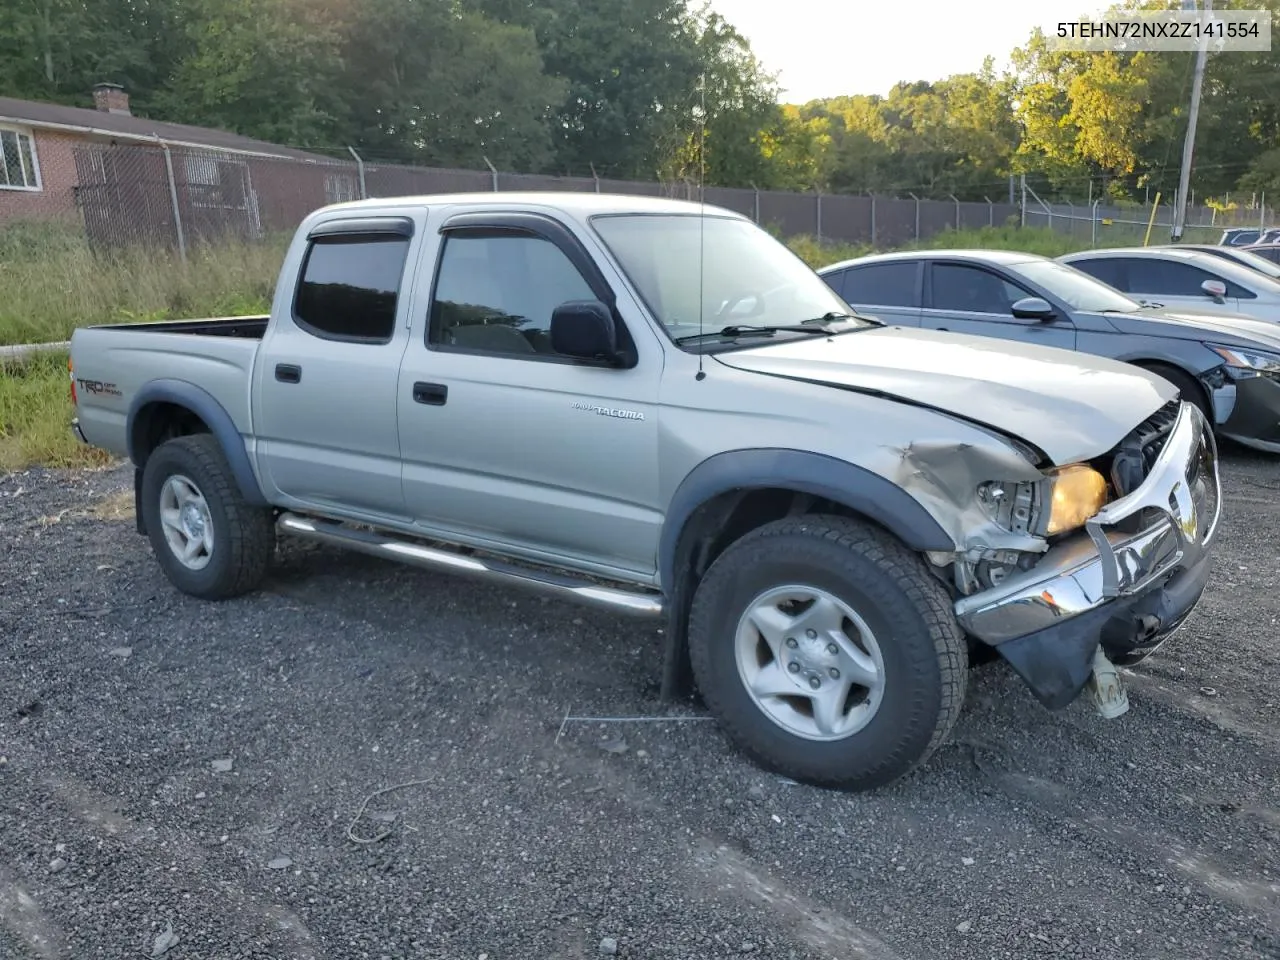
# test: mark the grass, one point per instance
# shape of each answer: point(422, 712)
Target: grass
point(35, 416)
point(53, 283)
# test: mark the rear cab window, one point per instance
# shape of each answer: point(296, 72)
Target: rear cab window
point(349, 285)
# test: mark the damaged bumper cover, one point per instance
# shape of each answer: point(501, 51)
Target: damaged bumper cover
point(1127, 582)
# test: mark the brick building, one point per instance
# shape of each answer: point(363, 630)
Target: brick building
point(107, 167)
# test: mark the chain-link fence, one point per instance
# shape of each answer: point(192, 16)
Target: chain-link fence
point(1096, 224)
point(180, 198)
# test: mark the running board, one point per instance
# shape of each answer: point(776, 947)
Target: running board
point(585, 592)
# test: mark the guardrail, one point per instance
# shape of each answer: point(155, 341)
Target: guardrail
point(25, 349)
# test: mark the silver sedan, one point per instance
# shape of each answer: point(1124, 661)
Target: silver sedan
point(1183, 279)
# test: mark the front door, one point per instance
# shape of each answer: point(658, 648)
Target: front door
point(505, 441)
point(970, 299)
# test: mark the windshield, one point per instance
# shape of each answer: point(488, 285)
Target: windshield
point(1074, 287)
point(747, 277)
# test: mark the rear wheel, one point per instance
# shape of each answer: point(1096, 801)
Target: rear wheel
point(828, 652)
point(208, 540)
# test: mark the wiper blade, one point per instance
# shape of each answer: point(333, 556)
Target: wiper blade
point(834, 316)
point(747, 330)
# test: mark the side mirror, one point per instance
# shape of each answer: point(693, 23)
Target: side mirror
point(1033, 308)
point(1214, 288)
point(584, 329)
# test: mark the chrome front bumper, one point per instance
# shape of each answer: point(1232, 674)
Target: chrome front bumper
point(1179, 505)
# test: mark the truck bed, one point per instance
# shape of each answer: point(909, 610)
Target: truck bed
point(243, 328)
point(111, 364)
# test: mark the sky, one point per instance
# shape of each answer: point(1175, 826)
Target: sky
point(825, 48)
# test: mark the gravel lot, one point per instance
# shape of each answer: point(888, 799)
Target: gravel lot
point(1032, 834)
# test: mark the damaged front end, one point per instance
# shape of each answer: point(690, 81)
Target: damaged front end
point(1107, 557)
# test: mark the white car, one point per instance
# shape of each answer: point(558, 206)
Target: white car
point(1183, 279)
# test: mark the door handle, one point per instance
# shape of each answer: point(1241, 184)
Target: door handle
point(433, 394)
point(288, 372)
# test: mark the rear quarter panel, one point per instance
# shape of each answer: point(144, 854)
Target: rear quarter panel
point(111, 367)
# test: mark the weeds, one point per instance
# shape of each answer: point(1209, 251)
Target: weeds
point(35, 415)
point(53, 283)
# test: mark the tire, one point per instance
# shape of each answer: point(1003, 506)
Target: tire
point(234, 559)
point(1188, 386)
point(893, 723)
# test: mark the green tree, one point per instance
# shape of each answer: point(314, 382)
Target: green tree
point(56, 50)
point(270, 69)
point(433, 85)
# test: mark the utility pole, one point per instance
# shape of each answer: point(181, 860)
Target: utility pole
point(1188, 145)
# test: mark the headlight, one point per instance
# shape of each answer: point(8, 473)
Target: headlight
point(1077, 493)
point(1247, 363)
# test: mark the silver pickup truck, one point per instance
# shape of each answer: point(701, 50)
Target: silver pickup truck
point(654, 407)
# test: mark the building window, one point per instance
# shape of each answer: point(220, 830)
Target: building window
point(202, 170)
point(19, 171)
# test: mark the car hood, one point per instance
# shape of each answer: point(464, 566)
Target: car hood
point(1072, 406)
point(1232, 329)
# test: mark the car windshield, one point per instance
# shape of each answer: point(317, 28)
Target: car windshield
point(745, 276)
point(1075, 288)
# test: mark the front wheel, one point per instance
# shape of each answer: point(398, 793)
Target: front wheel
point(209, 541)
point(828, 652)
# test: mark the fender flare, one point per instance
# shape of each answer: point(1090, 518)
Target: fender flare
point(855, 487)
point(203, 404)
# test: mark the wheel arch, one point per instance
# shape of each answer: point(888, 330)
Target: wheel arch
point(730, 494)
point(1157, 365)
point(166, 408)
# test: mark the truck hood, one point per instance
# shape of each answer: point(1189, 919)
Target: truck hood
point(1072, 406)
point(1229, 329)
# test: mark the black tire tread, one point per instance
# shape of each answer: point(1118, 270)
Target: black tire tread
point(252, 537)
point(908, 573)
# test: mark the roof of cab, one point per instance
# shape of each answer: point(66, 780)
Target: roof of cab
point(568, 201)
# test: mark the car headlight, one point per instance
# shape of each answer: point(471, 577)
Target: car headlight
point(1247, 363)
point(1077, 492)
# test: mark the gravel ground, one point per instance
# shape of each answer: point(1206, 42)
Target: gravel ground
point(524, 836)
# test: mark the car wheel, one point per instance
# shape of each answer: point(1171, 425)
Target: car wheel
point(828, 652)
point(209, 541)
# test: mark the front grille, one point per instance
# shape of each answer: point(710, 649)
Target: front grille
point(1136, 454)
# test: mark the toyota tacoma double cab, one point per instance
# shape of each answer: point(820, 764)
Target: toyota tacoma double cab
point(654, 407)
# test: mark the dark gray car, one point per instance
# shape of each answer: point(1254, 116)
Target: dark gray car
point(1227, 365)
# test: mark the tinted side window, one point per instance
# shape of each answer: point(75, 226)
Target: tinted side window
point(496, 293)
point(883, 285)
point(1112, 272)
point(350, 286)
point(835, 280)
point(1173, 279)
point(958, 287)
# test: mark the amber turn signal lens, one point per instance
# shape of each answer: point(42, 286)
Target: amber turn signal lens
point(1078, 493)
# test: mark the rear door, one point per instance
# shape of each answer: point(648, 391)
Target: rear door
point(969, 298)
point(889, 291)
point(324, 399)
